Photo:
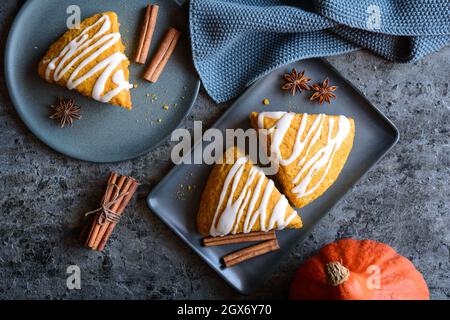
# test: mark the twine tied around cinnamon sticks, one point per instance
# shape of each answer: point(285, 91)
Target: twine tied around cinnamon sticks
point(106, 214)
point(119, 191)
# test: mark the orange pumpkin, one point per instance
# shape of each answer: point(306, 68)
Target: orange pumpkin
point(358, 270)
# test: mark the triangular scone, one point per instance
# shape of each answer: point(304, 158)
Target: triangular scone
point(238, 198)
point(311, 150)
point(91, 60)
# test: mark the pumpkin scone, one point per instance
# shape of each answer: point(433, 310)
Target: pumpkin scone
point(91, 60)
point(239, 198)
point(311, 150)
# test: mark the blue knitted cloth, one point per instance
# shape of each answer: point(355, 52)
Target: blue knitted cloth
point(235, 42)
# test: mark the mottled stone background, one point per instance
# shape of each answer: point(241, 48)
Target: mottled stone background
point(403, 201)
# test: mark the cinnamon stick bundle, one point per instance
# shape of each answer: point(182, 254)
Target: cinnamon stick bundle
point(250, 252)
point(119, 191)
point(162, 55)
point(148, 28)
point(239, 238)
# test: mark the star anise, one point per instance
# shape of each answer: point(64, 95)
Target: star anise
point(296, 82)
point(323, 92)
point(65, 111)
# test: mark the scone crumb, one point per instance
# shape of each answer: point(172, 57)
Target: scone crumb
point(152, 96)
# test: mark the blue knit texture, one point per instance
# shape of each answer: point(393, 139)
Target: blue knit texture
point(236, 42)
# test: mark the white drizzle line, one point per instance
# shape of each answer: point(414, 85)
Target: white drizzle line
point(230, 217)
point(322, 158)
point(85, 44)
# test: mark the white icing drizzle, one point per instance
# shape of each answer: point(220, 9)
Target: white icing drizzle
point(227, 221)
point(85, 45)
point(321, 159)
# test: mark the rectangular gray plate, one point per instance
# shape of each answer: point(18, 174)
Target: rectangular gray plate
point(375, 135)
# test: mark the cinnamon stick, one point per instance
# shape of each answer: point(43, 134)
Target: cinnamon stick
point(118, 193)
point(106, 198)
point(250, 252)
point(123, 186)
point(100, 228)
point(110, 191)
point(162, 55)
point(148, 28)
point(111, 226)
point(239, 238)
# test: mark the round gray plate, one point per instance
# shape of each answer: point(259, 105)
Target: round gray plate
point(105, 133)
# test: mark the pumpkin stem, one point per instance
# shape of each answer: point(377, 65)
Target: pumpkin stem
point(336, 273)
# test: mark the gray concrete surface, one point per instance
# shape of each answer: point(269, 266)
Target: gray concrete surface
point(403, 201)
